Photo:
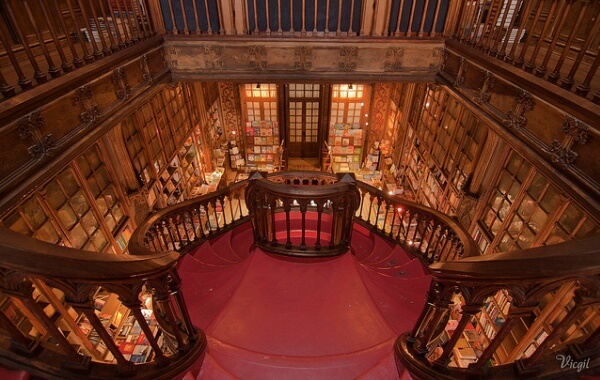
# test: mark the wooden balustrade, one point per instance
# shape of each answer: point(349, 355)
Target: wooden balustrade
point(54, 303)
point(41, 39)
point(553, 39)
point(422, 231)
point(528, 277)
point(333, 205)
point(190, 223)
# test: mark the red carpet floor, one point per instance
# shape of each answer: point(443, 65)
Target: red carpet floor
point(269, 317)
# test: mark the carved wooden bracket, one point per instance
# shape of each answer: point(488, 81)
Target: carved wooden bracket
point(303, 56)
point(30, 128)
point(576, 132)
point(89, 111)
point(395, 61)
point(348, 63)
point(523, 102)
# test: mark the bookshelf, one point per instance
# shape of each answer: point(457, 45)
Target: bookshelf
point(345, 142)
point(262, 146)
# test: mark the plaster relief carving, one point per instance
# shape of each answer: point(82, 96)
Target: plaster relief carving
point(523, 102)
point(213, 55)
point(123, 91)
point(483, 96)
point(30, 127)
point(89, 111)
point(258, 58)
point(347, 54)
point(460, 76)
point(394, 62)
point(303, 56)
point(145, 69)
point(576, 132)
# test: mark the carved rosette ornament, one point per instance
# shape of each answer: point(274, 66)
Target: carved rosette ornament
point(483, 95)
point(30, 128)
point(523, 102)
point(576, 132)
point(460, 76)
point(394, 59)
point(303, 56)
point(123, 91)
point(347, 54)
point(258, 58)
point(213, 55)
point(89, 111)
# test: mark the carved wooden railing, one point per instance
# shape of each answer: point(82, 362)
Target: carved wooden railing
point(41, 40)
point(346, 18)
point(188, 224)
point(424, 232)
point(48, 312)
point(333, 204)
point(527, 276)
point(554, 39)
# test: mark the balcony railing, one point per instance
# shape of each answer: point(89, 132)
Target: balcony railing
point(36, 275)
point(65, 313)
point(529, 277)
point(557, 40)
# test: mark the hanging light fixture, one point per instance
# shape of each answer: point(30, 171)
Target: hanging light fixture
point(350, 86)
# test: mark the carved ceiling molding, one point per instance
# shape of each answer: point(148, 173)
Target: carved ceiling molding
point(30, 128)
point(576, 132)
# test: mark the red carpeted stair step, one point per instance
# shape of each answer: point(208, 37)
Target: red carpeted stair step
point(212, 370)
point(205, 254)
point(380, 252)
point(221, 245)
point(410, 269)
point(251, 365)
point(397, 258)
point(207, 293)
point(13, 374)
point(385, 369)
point(361, 243)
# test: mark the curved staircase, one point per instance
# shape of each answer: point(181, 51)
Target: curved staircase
point(272, 317)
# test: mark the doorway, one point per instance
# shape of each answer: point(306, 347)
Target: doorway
point(303, 113)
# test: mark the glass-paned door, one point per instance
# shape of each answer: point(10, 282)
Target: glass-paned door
point(303, 120)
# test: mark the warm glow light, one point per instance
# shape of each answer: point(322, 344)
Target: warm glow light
point(399, 209)
point(391, 193)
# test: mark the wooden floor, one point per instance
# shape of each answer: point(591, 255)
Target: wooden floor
point(304, 164)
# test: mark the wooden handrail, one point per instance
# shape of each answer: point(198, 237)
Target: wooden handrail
point(422, 231)
point(266, 199)
point(57, 290)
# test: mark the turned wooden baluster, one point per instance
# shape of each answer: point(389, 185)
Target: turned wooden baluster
point(423, 17)
point(220, 18)
point(273, 229)
point(65, 65)
point(584, 88)
point(162, 296)
point(468, 312)
point(583, 301)
point(180, 305)
point(327, 6)
point(133, 24)
point(319, 215)
point(52, 70)
point(287, 207)
point(493, 31)
point(315, 18)
point(196, 18)
point(525, 16)
point(436, 16)
point(339, 19)
point(87, 308)
point(186, 29)
point(87, 57)
point(6, 89)
point(15, 284)
point(115, 44)
point(124, 22)
point(139, 16)
point(500, 34)
point(555, 75)
point(39, 76)
point(515, 313)
point(20, 343)
point(519, 61)
point(541, 40)
point(23, 81)
point(568, 82)
point(86, 19)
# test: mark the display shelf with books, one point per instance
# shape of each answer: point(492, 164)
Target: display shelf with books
point(262, 146)
point(236, 159)
point(171, 184)
point(345, 142)
point(190, 166)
